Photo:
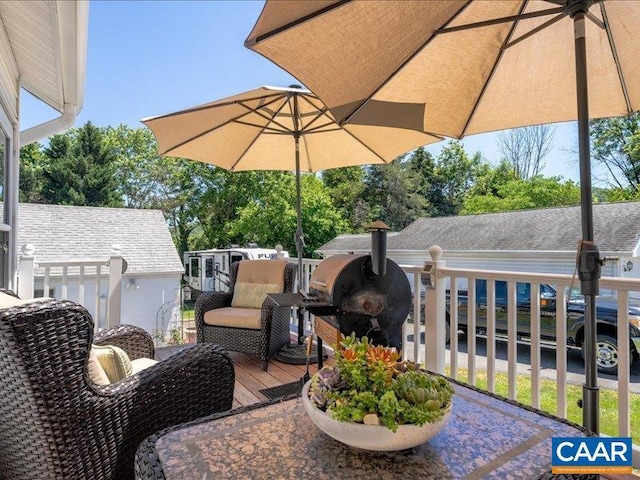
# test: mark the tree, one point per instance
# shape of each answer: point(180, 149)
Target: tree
point(525, 148)
point(271, 218)
point(616, 146)
point(392, 194)
point(454, 175)
point(79, 170)
point(346, 189)
point(516, 194)
point(32, 161)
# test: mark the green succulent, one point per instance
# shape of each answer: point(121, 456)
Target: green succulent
point(365, 382)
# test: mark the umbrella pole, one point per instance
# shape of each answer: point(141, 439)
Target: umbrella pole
point(589, 263)
point(299, 238)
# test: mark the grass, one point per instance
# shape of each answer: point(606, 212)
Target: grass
point(548, 394)
point(187, 311)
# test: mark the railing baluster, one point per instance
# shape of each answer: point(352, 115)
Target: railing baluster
point(45, 288)
point(97, 319)
point(561, 352)
point(63, 289)
point(81, 285)
point(471, 330)
point(417, 303)
point(535, 344)
point(624, 400)
point(491, 335)
point(453, 319)
point(512, 340)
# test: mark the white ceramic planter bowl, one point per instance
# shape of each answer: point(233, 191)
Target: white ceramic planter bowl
point(371, 437)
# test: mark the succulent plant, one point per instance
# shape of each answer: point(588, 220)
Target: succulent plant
point(368, 382)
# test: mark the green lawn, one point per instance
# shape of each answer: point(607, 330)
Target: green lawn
point(608, 400)
point(187, 311)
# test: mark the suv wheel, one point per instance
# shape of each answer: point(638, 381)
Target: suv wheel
point(606, 354)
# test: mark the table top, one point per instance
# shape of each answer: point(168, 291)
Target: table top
point(486, 437)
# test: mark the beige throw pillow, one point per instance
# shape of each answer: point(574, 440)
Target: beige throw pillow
point(114, 361)
point(252, 295)
point(96, 373)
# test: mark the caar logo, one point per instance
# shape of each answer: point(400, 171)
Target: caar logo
point(591, 455)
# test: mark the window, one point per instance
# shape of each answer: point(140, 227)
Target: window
point(195, 267)
point(208, 267)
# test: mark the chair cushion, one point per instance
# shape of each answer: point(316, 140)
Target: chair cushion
point(96, 373)
point(8, 301)
point(256, 279)
point(234, 317)
point(115, 362)
point(140, 364)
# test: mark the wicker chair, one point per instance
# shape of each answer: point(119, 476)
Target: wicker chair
point(56, 423)
point(263, 342)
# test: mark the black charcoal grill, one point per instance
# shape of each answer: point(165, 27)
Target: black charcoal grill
point(366, 294)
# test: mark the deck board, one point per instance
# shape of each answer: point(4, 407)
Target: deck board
point(250, 378)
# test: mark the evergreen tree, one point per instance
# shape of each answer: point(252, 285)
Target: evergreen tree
point(80, 170)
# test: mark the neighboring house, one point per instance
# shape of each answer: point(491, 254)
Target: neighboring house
point(151, 283)
point(43, 50)
point(542, 240)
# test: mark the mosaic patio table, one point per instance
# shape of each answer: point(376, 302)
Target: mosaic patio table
point(486, 437)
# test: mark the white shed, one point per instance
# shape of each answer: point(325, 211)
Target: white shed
point(151, 282)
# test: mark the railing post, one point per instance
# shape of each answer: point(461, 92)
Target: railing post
point(26, 272)
point(114, 300)
point(435, 312)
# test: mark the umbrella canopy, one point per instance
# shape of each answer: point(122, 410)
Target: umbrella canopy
point(258, 130)
point(477, 66)
point(290, 129)
point(474, 71)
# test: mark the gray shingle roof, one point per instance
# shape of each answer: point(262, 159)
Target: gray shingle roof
point(616, 229)
point(60, 232)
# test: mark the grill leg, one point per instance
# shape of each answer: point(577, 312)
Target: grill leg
point(320, 352)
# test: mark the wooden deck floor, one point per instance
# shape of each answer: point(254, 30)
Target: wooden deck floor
point(250, 378)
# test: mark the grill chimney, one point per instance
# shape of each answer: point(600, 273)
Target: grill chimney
point(379, 247)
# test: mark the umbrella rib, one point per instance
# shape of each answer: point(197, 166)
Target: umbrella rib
point(256, 137)
point(403, 64)
point(276, 31)
point(498, 21)
point(320, 112)
point(217, 105)
point(530, 33)
point(493, 71)
point(616, 59)
point(232, 120)
point(270, 119)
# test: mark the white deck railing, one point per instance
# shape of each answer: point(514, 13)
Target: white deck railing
point(93, 283)
point(433, 353)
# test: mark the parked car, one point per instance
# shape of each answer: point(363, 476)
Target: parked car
point(606, 318)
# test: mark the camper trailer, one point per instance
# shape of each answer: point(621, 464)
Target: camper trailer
point(208, 270)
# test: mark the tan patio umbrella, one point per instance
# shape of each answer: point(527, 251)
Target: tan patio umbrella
point(477, 66)
point(290, 129)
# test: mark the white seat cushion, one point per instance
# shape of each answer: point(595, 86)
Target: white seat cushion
point(8, 301)
point(140, 364)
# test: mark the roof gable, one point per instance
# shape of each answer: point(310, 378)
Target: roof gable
point(61, 232)
point(616, 229)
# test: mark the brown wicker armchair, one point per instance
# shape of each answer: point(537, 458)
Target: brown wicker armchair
point(269, 331)
point(56, 423)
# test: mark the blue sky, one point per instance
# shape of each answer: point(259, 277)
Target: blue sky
point(148, 58)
